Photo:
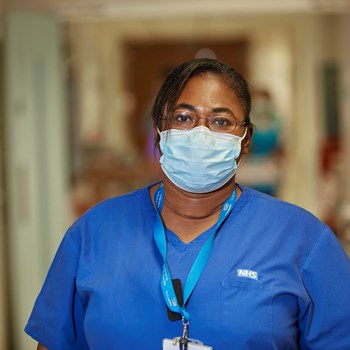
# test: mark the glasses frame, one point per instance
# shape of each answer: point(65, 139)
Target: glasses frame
point(171, 118)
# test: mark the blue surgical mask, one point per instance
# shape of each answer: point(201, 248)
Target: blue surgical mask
point(199, 160)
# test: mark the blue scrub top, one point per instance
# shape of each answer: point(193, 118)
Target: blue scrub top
point(277, 278)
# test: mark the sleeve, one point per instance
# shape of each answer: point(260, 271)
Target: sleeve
point(57, 317)
point(325, 318)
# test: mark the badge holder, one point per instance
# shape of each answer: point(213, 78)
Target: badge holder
point(192, 344)
point(184, 342)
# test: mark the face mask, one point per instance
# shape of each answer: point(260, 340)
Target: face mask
point(199, 160)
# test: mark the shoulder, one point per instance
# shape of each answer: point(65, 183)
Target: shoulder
point(286, 229)
point(272, 206)
point(122, 205)
point(113, 215)
point(275, 218)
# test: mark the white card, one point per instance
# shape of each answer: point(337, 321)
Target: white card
point(171, 344)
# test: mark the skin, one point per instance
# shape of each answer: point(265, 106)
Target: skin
point(189, 214)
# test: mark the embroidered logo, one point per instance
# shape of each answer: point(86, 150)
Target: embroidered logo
point(247, 274)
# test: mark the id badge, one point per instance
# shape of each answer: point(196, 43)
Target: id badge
point(172, 344)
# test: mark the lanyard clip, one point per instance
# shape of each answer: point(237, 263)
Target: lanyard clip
point(184, 339)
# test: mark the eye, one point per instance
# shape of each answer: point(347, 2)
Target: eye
point(183, 118)
point(222, 121)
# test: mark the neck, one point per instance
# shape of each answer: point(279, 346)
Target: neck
point(195, 206)
point(190, 214)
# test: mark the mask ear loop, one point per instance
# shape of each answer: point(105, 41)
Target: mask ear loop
point(245, 134)
point(161, 133)
point(242, 138)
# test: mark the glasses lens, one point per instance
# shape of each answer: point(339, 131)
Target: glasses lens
point(183, 120)
point(222, 123)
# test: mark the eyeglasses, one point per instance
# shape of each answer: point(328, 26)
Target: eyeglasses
point(216, 122)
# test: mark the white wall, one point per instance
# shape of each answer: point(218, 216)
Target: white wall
point(3, 266)
point(3, 301)
point(36, 158)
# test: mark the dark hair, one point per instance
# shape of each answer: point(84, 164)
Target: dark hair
point(175, 82)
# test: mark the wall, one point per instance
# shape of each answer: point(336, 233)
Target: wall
point(3, 289)
point(3, 265)
point(36, 155)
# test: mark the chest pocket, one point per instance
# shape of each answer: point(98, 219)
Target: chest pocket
point(258, 315)
point(246, 312)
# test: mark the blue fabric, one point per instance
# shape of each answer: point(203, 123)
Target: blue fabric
point(198, 265)
point(102, 290)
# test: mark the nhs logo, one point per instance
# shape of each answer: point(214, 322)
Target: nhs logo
point(247, 274)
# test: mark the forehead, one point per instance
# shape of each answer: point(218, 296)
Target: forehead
point(208, 92)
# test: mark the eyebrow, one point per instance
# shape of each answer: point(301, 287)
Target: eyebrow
point(214, 110)
point(185, 106)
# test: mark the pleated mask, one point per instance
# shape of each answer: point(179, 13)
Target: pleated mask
point(199, 160)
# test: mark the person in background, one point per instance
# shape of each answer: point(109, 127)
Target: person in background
point(197, 261)
point(262, 169)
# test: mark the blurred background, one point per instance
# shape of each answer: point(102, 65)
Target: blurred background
point(77, 82)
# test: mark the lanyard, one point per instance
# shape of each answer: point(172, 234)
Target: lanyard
point(199, 263)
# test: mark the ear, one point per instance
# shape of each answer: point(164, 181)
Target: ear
point(247, 141)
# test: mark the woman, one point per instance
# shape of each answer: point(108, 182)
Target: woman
point(196, 255)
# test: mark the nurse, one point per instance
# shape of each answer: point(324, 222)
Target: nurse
point(197, 261)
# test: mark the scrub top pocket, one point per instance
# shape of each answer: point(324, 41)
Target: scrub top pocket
point(246, 312)
point(258, 315)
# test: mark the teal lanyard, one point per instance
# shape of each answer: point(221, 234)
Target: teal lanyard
point(198, 265)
